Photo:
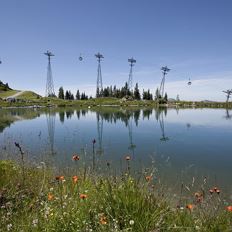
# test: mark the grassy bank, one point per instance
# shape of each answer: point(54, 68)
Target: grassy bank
point(32, 99)
point(41, 199)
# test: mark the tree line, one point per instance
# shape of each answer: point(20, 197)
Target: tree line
point(113, 91)
point(68, 95)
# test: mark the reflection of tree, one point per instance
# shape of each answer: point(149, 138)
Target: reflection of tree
point(51, 117)
point(69, 114)
point(147, 113)
point(61, 114)
point(136, 117)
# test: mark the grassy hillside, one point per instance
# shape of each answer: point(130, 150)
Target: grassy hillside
point(29, 95)
point(8, 93)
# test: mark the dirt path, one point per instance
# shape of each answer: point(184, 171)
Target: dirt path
point(15, 95)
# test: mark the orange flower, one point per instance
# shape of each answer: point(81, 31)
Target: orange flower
point(60, 178)
point(148, 178)
point(76, 157)
point(229, 208)
point(83, 196)
point(103, 220)
point(50, 196)
point(75, 179)
point(128, 158)
point(189, 206)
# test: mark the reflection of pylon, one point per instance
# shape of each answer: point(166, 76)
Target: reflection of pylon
point(161, 121)
point(99, 133)
point(228, 116)
point(132, 146)
point(51, 117)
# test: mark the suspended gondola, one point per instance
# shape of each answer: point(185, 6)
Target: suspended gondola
point(189, 82)
point(80, 57)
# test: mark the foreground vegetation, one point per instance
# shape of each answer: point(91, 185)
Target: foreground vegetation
point(42, 199)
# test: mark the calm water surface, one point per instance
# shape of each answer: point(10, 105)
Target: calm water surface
point(180, 144)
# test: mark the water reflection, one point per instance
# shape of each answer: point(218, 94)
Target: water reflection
point(141, 133)
point(99, 133)
point(51, 119)
point(159, 114)
point(228, 115)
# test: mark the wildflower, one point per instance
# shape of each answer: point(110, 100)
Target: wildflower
point(229, 208)
point(148, 178)
point(50, 196)
point(211, 191)
point(103, 220)
point(128, 158)
point(218, 191)
point(197, 194)
point(199, 197)
point(83, 196)
point(61, 178)
point(189, 206)
point(9, 227)
point(215, 189)
point(131, 222)
point(35, 222)
point(76, 157)
point(75, 179)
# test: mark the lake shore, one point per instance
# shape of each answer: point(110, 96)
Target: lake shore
point(37, 198)
point(107, 102)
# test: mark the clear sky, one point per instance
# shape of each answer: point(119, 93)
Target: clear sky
point(192, 37)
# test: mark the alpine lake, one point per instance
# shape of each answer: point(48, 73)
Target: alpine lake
point(181, 147)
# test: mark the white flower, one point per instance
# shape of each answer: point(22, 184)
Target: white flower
point(131, 222)
point(9, 227)
point(35, 222)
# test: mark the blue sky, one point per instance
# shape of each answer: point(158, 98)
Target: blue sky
point(192, 37)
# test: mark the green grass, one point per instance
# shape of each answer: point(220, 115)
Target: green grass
point(29, 95)
point(8, 93)
point(30, 98)
point(33, 200)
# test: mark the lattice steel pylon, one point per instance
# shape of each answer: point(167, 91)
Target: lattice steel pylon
point(165, 70)
point(130, 80)
point(99, 88)
point(49, 92)
point(228, 94)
